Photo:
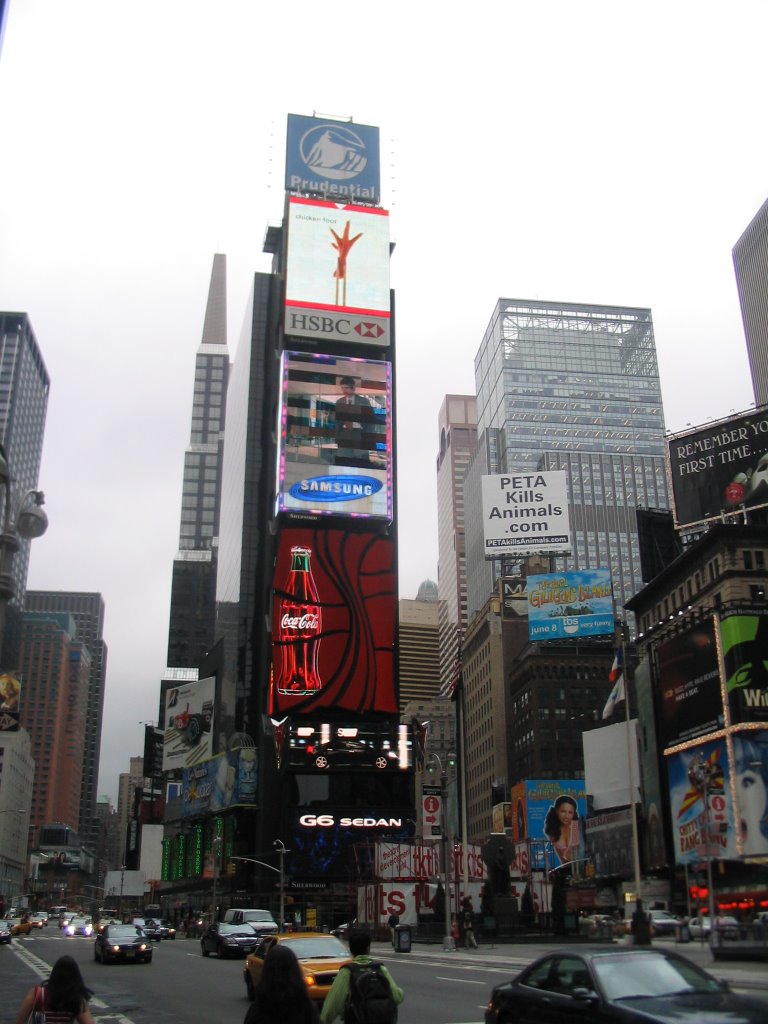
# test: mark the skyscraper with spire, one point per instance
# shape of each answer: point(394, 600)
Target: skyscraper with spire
point(193, 589)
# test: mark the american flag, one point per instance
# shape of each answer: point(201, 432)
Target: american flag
point(449, 688)
point(616, 676)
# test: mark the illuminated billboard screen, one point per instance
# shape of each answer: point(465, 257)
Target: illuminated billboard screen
point(334, 617)
point(525, 513)
point(744, 635)
point(689, 683)
point(335, 436)
point(720, 468)
point(188, 736)
point(330, 843)
point(569, 605)
point(328, 747)
point(227, 780)
point(337, 273)
point(335, 159)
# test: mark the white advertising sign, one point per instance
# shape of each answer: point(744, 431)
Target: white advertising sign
point(188, 735)
point(526, 513)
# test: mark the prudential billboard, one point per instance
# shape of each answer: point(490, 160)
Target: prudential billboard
point(332, 159)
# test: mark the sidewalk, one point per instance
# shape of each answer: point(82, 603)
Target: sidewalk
point(739, 973)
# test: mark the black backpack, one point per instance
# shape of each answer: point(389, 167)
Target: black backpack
point(370, 997)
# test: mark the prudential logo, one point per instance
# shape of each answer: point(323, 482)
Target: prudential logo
point(335, 488)
point(335, 150)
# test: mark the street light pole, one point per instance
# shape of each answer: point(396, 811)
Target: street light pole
point(448, 943)
point(123, 869)
point(280, 847)
point(217, 843)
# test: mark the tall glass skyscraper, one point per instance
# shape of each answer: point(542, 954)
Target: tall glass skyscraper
point(750, 261)
point(193, 590)
point(574, 387)
point(24, 387)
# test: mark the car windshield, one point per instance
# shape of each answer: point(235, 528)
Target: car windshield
point(236, 929)
point(318, 949)
point(123, 931)
point(261, 915)
point(649, 974)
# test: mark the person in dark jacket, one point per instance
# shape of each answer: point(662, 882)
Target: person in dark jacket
point(281, 995)
point(641, 926)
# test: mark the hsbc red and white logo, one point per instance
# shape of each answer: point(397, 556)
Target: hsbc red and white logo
point(369, 330)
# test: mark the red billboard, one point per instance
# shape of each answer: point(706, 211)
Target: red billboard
point(720, 468)
point(334, 617)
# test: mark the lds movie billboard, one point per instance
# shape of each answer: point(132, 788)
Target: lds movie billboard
point(720, 468)
point(525, 513)
point(337, 273)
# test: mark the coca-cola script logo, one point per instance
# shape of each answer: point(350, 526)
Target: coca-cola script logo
point(309, 620)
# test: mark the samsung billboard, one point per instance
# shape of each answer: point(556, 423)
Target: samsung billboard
point(569, 605)
point(337, 273)
point(333, 159)
point(335, 436)
point(720, 468)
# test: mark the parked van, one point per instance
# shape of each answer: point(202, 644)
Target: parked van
point(260, 920)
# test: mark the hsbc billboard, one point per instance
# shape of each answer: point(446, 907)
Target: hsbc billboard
point(337, 273)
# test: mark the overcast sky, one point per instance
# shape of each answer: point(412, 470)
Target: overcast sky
point(598, 152)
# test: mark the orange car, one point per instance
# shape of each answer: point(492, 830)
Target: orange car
point(320, 957)
point(20, 926)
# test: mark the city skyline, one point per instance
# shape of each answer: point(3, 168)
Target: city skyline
point(630, 194)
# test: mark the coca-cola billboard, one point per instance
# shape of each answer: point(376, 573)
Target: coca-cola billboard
point(334, 616)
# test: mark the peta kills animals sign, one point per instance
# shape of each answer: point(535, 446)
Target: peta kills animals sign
point(526, 513)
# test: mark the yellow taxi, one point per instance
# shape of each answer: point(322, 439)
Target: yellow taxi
point(20, 925)
point(320, 958)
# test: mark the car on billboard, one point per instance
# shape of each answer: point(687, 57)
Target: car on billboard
point(192, 725)
point(347, 752)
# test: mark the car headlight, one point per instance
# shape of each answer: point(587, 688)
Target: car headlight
point(230, 942)
point(310, 980)
point(115, 949)
point(69, 930)
point(143, 947)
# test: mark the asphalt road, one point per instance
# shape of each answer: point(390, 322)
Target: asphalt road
point(182, 987)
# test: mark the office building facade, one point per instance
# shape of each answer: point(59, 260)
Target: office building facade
point(24, 387)
point(750, 261)
point(575, 387)
point(55, 669)
point(419, 644)
point(457, 427)
point(87, 612)
point(193, 588)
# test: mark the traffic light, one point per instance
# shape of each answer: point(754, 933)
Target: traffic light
point(231, 868)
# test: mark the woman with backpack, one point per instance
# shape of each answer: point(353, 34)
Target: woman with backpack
point(63, 998)
point(281, 996)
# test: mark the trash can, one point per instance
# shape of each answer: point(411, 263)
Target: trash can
point(403, 938)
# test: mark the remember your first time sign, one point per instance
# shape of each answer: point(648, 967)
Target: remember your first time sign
point(526, 513)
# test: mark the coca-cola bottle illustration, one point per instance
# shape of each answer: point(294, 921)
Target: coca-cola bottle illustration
point(299, 625)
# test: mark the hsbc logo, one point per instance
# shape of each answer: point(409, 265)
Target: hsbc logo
point(340, 327)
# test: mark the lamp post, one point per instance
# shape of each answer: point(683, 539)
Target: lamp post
point(279, 845)
point(448, 942)
point(123, 869)
point(216, 844)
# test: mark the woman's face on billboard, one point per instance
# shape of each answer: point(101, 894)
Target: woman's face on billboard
point(752, 795)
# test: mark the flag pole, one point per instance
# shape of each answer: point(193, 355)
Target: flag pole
point(631, 743)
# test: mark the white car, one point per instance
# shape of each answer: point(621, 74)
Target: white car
point(726, 927)
point(663, 922)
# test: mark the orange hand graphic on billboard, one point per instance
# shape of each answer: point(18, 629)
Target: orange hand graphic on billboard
point(342, 245)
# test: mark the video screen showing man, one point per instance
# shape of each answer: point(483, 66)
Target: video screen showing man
point(354, 426)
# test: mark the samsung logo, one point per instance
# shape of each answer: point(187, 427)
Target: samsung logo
point(335, 488)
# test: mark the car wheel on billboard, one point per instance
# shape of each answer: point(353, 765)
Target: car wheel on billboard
point(381, 762)
point(322, 761)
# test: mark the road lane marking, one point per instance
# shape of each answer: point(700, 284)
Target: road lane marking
point(461, 981)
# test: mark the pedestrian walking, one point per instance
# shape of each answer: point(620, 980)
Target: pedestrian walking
point(281, 996)
point(63, 999)
point(363, 990)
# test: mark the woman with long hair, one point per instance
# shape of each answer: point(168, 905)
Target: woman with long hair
point(281, 996)
point(562, 829)
point(63, 998)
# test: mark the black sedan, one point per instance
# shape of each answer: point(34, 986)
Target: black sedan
point(122, 942)
point(618, 984)
point(229, 939)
